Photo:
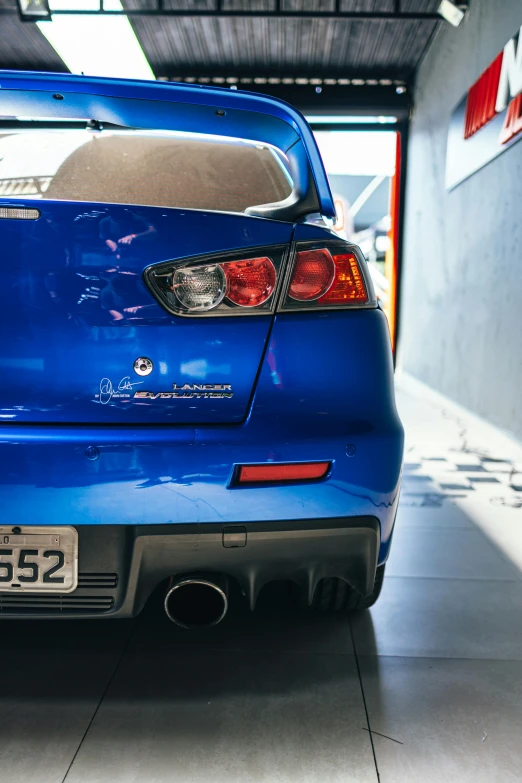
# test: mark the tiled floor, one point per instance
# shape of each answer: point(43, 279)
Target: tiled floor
point(434, 670)
point(440, 655)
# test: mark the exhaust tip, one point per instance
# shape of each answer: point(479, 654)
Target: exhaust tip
point(196, 603)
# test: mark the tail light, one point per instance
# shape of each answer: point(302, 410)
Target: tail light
point(313, 275)
point(231, 284)
point(328, 275)
point(319, 275)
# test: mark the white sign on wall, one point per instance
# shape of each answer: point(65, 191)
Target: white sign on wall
point(488, 119)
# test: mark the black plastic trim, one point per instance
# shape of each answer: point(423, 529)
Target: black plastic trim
point(303, 551)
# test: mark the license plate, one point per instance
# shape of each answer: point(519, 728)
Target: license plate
point(38, 559)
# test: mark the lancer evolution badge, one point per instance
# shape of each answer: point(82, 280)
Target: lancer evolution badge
point(125, 390)
point(189, 391)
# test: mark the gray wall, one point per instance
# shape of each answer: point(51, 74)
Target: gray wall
point(461, 311)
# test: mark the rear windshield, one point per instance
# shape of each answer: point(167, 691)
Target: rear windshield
point(143, 168)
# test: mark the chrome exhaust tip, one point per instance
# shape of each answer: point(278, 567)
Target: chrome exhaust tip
point(197, 602)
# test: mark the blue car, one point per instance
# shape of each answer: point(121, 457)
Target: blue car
point(197, 380)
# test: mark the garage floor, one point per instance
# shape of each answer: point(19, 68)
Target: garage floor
point(434, 670)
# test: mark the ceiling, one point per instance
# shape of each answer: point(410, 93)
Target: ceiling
point(288, 47)
point(22, 46)
point(234, 46)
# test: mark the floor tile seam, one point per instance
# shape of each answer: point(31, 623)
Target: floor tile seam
point(402, 526)
point(264, 650)
point(439, 657)
point(472, 527)
point(510, 580)
point(365, 706)
point(499, 551)
point(110, 680)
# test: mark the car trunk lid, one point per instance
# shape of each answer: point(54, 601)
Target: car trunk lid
point(76, 316)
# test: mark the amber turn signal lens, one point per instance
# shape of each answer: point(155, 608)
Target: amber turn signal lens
point(348, 285)
point(271, 472)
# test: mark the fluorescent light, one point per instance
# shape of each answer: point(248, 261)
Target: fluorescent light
point(98, 45)
point(335, 119)
point(451, 12)
point(361, 153)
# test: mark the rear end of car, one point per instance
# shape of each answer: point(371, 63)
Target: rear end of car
point(197, 381)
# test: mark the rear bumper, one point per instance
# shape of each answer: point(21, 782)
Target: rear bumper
point(121, 565)
point(324, 393)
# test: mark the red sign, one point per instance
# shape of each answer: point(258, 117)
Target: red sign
point(513, 121)
point(492, 90)
point(482, 98)
point(489, 117)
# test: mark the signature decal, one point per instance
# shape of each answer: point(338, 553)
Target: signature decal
point(187, 391)
point(108, 392)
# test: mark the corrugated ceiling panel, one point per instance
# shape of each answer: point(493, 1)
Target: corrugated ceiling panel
point(294, 46)
point(185, 46)
point(23, 47)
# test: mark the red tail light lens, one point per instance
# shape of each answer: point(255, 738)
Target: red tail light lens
point(314, 273)
point(330, 275)
point(250, 283)
point(270, 472)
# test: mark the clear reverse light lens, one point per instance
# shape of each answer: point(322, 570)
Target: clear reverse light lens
point(199, 288)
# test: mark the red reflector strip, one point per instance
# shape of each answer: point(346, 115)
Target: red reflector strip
point(303, 471)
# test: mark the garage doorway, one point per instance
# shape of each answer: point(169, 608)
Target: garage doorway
point(363, 162)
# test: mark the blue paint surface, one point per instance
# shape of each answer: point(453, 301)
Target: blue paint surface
point(324, 382)
point(76, 315)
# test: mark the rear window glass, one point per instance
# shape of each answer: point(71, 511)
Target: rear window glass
point(143, 168)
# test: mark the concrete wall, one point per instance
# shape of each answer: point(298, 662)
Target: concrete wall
point(461, 312)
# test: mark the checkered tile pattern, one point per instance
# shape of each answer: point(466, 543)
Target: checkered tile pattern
point(429, 479)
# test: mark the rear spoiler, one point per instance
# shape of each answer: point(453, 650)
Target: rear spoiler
point(190, 108)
